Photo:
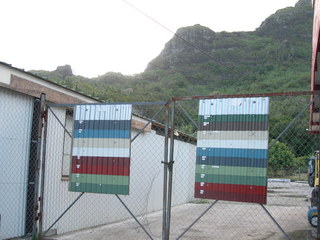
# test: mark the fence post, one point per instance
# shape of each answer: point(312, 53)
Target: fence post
point(165, 173)
point(317, 188)
point(37, 164)
point(170, 168)
point(43, 168)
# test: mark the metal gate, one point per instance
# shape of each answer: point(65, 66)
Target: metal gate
point(162, 203)
point(288, 193)
point(105, 216)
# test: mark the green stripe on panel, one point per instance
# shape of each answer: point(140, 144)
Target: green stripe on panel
point(233, 179)
point(99, 188)
point(231, 170)
point(234, 118)
point(100, 179)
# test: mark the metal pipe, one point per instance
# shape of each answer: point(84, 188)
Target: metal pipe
point(105, 103)
point(275, 222)
point(170, 168)
point(43, 168)
point(195, 221)
point(37, 164)
point(292, 122)
point(132, 215)
point(248, 95)
point(317, 189)
point(62, 125)
point(65, 211)
point(165, 173)
point(151, 120)
point(185, 112)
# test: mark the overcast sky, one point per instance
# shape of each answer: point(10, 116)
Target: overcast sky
point(99, 36)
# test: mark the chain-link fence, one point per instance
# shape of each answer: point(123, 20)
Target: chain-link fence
point(162, 177)
point(288, 192)
point(129, 216)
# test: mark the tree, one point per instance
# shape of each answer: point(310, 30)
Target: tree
point(281, 160)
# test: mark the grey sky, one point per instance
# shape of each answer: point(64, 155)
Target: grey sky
point(98, 36)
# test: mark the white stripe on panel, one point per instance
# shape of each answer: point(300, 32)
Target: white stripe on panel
point(243, 144)
point(103, 112)
point(102, 142)
point(226, 106)
point(101, 152)
point(233, 135)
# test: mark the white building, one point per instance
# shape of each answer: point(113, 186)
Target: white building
point(18, 92)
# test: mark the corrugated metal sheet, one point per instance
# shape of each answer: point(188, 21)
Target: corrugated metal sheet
point(15, 133)
point(101, 147)
point(232, 149)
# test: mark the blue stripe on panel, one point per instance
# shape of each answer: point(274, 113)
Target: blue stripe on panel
point(232, 161)
point(88, 133)
point(232, 152)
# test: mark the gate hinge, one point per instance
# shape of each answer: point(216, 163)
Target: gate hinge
point(168, 163)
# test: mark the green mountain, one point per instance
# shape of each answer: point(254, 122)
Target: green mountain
point(275, 57)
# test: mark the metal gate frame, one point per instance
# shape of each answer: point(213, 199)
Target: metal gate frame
point(39, 232)
point(176, 100)
point(168, 161)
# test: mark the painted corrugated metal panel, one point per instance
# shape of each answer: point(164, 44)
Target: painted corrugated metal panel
point(101, 149)
point(232, 149)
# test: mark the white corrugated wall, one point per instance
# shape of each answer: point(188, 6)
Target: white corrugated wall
point(15, 128)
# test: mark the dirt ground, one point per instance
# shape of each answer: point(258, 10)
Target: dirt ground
point(287, 203)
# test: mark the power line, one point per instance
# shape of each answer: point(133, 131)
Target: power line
point(182, 39)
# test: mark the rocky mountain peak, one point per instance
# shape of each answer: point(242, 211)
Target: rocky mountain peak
point(287, 26)
point(64, 71)
point(182, 47)
point(303, 3)
point(196, 35)
point(282, 23)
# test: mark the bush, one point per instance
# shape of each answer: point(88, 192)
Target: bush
point(281, 160)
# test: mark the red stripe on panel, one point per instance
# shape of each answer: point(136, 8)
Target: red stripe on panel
point(101, 170)
point(101, 165)
point(232, 188)
point(232, 196)
point(102, 161)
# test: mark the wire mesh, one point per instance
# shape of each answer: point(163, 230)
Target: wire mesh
point(104, 216)
point(288, 192)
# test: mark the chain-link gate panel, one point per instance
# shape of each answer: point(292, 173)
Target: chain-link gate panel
point(72, 215)
point(145, 213)
point(288, 192)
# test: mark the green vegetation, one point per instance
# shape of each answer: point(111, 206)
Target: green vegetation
point(283, 162)
point(276, 57)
